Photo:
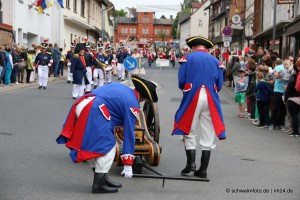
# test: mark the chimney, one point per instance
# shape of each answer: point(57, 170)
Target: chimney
point(171, 17)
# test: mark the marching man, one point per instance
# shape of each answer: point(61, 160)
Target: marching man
point(70, 55)
point(108, 57)
point(200, 78)
point(78, 69)
point(99, 71)
point(43, 60)
point(121, 55)
point(89, 62)
point(89, 128)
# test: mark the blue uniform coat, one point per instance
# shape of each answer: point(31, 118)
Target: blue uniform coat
point(197, 69)
point(78, 69)
point(92, 134)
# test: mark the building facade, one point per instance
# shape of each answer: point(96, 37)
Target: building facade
point(199, 19)
point(143, 26)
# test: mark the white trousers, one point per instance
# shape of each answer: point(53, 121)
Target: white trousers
point(78, 90)
point(101, 164)
point(202, 126)
point(69, 74)
point(121, 71)
point(98, 73)
point(43, 71)
point(32, 75)
point(108, 76)
point(89, 76)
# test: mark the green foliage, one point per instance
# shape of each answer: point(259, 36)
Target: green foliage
point(121, 13)
point(161, 35)
point(163, 17)
point(174, 27)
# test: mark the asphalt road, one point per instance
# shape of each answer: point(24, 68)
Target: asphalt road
point(251, 164)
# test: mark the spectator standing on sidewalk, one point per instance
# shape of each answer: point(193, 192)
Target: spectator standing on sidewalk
point(292, 100)
point(2, 63)
point(8, 66)
point(240, 91)
point(61, 63)
point(263, 98)
point(56, 53)
point(250, 91)
point(30, 59)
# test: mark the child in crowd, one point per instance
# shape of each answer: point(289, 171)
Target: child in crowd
point(287, 72)
point(240, 91)
point(250, 91)
point(263, 98)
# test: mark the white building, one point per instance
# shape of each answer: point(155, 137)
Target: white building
point(29, 26)
point(184, 28)
point(199, 19)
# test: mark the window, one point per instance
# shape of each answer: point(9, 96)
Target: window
point(75, 6)
point(134, 31)
point(200, 23)
point(130, 30)
point(123, 30)
point(143, 31)
point(147, 31)
point(155, 31)
point(167, 32)
point(126, 30)
point(68, 4)
point(82, 7)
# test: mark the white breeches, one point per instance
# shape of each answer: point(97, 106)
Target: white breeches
point(101, 164)
point(121, 71)
point(108, 76)
point(78, 90)
point(69, 75)
point(43, 71)
point(98, 73)
point(204, 129)
point(89, 76)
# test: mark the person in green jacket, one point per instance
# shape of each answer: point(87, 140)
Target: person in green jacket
point(30, 60)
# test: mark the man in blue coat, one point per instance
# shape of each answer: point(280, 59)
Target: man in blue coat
point(200, 78)
point(89, 128)
point(78, 69)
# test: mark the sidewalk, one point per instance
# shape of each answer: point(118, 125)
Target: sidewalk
point(20, 86)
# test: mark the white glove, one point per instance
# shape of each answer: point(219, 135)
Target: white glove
point(106, 62)
point(69, 64)
point(127, 171)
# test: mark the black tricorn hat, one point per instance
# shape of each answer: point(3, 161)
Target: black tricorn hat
point(79, 47)
point(199, 40)
point(145, 88)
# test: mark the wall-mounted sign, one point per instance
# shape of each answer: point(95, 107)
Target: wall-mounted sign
point(286, 1)
point(236, 19)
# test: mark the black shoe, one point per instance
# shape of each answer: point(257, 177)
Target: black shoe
point(190, 162)
point(99, 184)
point(119, 79)
point(294, 134)
point(44, 88)
point(74, 97)
point(68, 81)
point(111, 183)
point(40, 87)
point(201, 172)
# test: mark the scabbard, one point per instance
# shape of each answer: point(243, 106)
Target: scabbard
point(170, 177)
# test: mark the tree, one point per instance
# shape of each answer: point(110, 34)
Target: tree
point(174, 27)
point(161, 34)
point(163, 17)
point(121, 13)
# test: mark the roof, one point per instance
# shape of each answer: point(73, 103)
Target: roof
point(132, 12)
point(163, 21)
point(197, 4)
point(126, 20)
point(182, 17)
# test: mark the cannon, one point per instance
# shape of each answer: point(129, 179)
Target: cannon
point(147, 130)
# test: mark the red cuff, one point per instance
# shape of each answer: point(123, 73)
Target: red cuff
point(127, 159)
point(187, 87)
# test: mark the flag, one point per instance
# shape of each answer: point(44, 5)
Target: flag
point(61, 3)
point(43, 4)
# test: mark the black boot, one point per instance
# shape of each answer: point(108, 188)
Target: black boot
point(190, 162)
point(201, 172)
point(111, 183)
point(99, 185)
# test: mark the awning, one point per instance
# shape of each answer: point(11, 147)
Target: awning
point(79, 22)
point(293, 27)
point(267, 34)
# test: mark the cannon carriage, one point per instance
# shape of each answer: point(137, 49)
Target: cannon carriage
point(147, 130)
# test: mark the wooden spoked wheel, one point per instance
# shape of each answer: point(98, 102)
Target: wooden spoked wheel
point(152, 119)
